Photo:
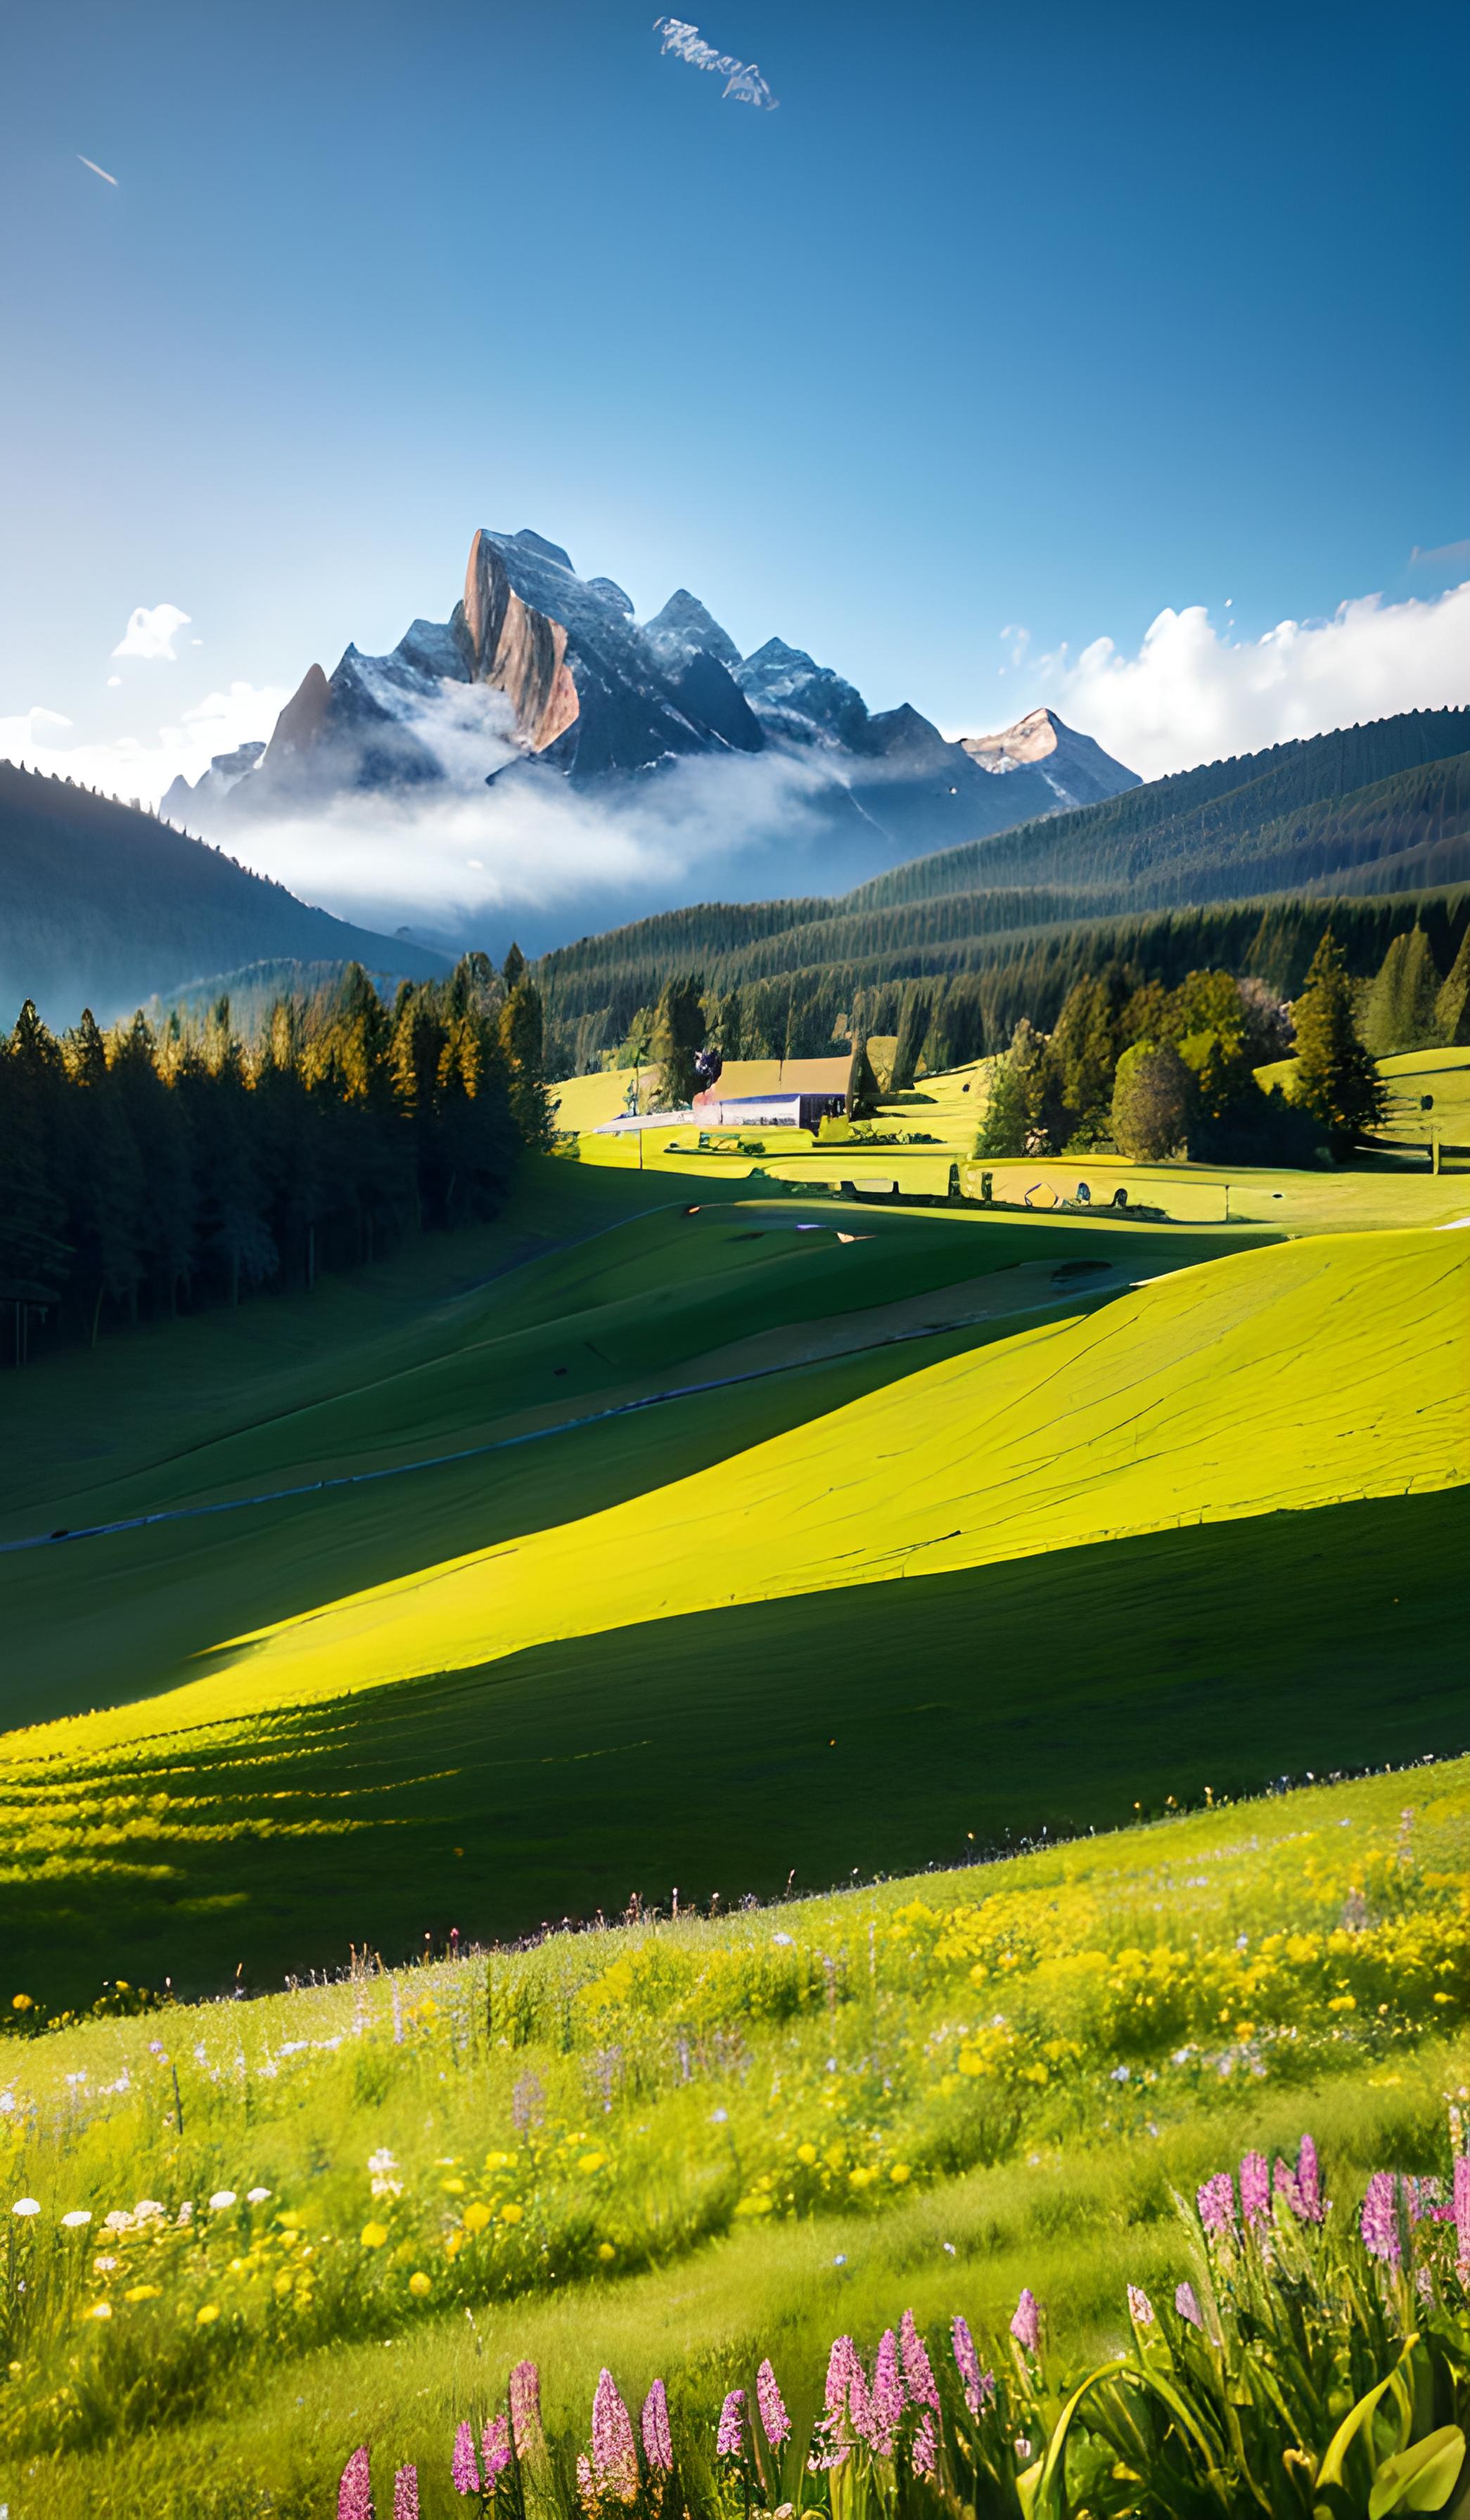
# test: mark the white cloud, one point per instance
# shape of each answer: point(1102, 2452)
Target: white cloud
point(742, 79)
point(151, 632)
point(741, 827)
point(1194, 693)
point(133, 766)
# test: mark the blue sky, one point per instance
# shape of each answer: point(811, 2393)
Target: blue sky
point(1005, 320)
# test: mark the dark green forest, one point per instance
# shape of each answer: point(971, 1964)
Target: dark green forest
point(962, 996)
point(152, 1171)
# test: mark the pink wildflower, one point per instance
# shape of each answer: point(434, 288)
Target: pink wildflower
point(406, 2493)
point(888, 2395)
point(1217, 2205)
point(1310, 2182)
point(1379, 2219)
point(1284, 2183)
point(918, 2372)
point(729, 2440)
point(1256, 2189)
point(525, 2408)
point(1026, 2321)
point(1140, 2308)
point(614, 2457)
point(977, 2385)
point(775, 2422)
point(1462, 2211)
point(1186, 2303)
point(842, 2366)
point(658, 2442)
point(495, 2449)
point(354, 2494)
point(861, 2414)
point(925, 2448)
point(463, 2471)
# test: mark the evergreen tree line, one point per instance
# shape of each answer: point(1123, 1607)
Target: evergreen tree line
point(154, 1170)
point(1152, 1070)
point(964, 1001)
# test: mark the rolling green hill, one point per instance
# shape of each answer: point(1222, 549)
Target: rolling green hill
point(1264, 822)
point(969, 1523)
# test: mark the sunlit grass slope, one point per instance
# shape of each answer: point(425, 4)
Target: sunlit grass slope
point(1291, 1377)
point(882, 1726)
point(791, 1308)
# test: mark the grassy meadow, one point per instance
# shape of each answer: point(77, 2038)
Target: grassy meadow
point(675, 2142)
point(703, 1534)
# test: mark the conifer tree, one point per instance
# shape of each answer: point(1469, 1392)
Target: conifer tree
point(1400, 1009)
point(1337, 1081)
point(1005, 1119)
point(862, 1084)
point(913, 1024)
point(678, 1036)
point(1452, 1005)
point(521, 1040)
point(34, 1256)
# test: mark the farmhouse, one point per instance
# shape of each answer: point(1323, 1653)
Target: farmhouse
point(773, 1094)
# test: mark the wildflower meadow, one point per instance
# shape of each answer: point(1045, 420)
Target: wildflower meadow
point(210, 2205)
point(1309, 2361)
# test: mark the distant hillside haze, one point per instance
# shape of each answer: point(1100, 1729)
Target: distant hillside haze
point(542, 676)
point(102, 905)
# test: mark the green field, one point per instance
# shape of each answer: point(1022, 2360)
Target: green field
point(696, 1535)
point(676, 2145)
point(801, 1617)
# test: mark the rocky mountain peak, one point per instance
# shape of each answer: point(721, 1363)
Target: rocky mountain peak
point(686, 629)
point(587, 693)
point(1077, 770)
point(515, 647)
point(1030, 739)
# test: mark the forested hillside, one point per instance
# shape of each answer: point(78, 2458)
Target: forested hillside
point(103, 904)
point(149, 1172)
point(1240, 864)
point(960, 995)
point(1265, 821)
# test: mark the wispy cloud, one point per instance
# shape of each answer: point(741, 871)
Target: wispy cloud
point(95, 170)
point(742, 80)
point(138, 766)
point(1194, 693)
point(532, 852)
point(151, 632)
point(1446, 556)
